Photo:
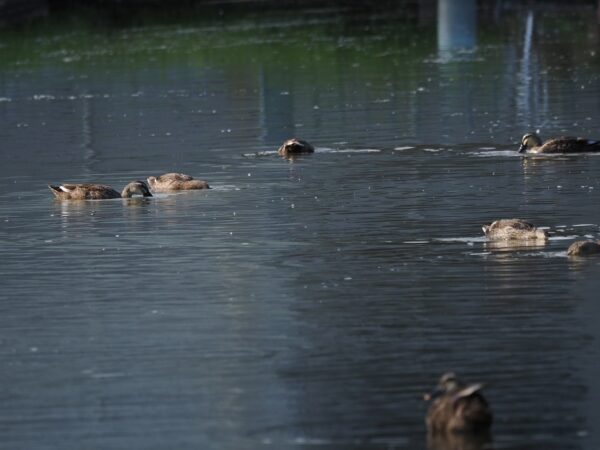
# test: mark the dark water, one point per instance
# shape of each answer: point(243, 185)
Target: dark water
point(298, 303)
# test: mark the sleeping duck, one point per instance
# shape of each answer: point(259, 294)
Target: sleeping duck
point(583, 248)
point(176, 182)
point(457, 407)
point(98, 191)
point(532, 143)
point(295, 146)
point(513, 229)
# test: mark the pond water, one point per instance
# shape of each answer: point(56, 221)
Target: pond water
point(297, 303)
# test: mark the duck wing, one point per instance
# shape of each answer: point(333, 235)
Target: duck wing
point(516, 224)
point(167, 177)
point(570, 145)
point(589, 145)
point(70, 188)
point(84, 191)
point(98, 191)
point(91, 187)
point(468, 391)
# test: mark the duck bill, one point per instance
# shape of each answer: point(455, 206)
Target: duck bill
point(522, 148)
point(433, 395)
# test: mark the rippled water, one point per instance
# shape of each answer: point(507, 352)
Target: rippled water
point(306, 302)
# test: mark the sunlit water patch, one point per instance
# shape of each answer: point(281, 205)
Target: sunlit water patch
point(324, 150)
point(495, 153)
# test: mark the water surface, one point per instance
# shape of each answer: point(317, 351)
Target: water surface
point(297, 303)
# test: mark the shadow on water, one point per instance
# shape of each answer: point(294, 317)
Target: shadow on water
point(308, 301)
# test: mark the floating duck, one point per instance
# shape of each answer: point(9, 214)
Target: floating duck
point(295, 146)
point(583, 248)
point(98, 191)
point(513, 229)
point(457, 407)
point(532, 143)
point(176, 182)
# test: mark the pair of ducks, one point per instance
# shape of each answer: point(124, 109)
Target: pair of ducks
point(167, 182)
point(530, 143)
point(520, 230)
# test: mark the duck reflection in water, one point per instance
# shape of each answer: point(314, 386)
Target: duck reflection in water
point(76, 213)
point(478, 441)
point(512, 245)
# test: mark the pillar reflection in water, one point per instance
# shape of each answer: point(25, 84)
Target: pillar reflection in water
point(525, 77)
point(276, 108)
point(456, 24)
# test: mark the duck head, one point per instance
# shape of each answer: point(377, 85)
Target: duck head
point(448, 382)
point(136, 187)
point(529, 140)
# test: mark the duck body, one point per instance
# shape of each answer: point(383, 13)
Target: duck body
point(457, 408)
point(175, 182)
point(98, 191)
point(513, 229)
point(294, 147)
point(583, 248)
point(532, 143)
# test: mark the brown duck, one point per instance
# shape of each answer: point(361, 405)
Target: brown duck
point(176, 182)
point(532, 143)
point(295, 146)
point(513, 229)
point(584, 248)
point(98, 191)
point(457, 408)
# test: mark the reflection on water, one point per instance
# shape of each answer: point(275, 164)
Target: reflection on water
point(514, 245)
point(456, 25)
point(459, 442)
point(302, 302)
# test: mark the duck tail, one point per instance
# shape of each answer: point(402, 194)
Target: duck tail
point(55, 190)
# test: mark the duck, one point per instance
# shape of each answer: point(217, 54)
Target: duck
point(583, 248)
point(98, 191)
point(295, 146)
point(457, 408)
point(513, 229)
point(175, 182)
point(532, 143)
